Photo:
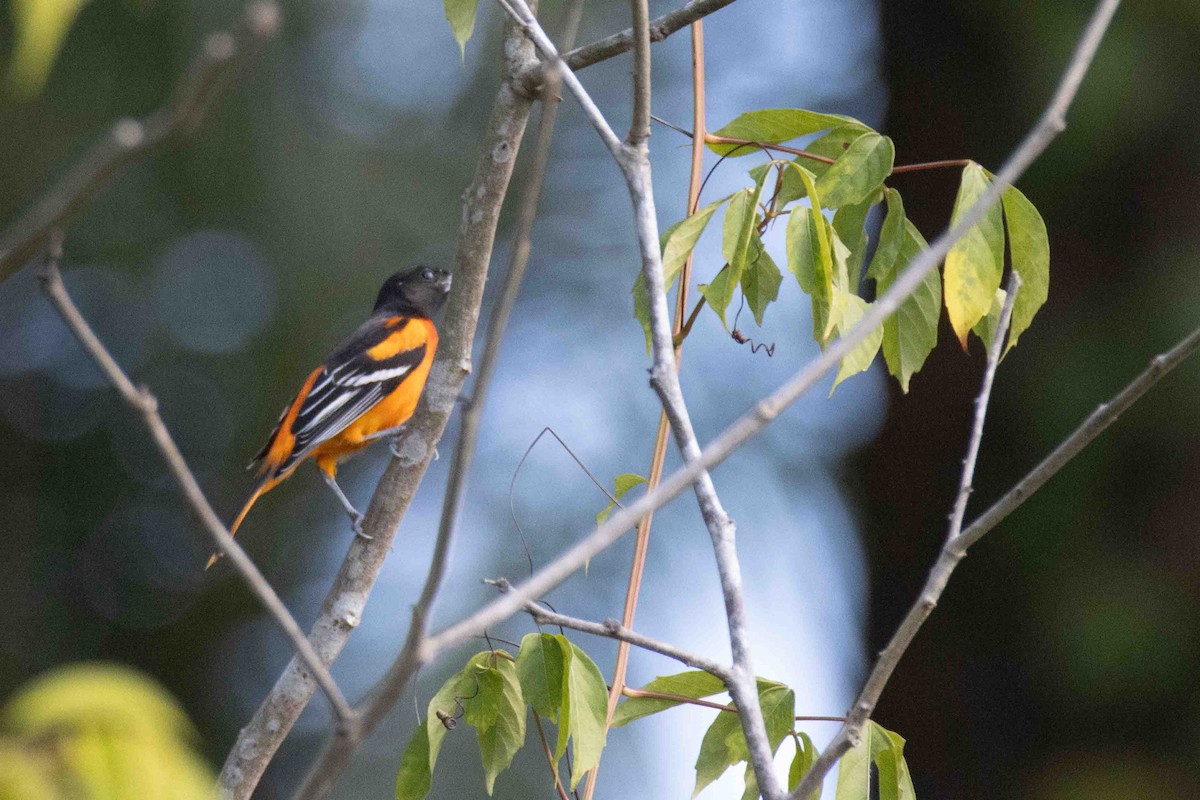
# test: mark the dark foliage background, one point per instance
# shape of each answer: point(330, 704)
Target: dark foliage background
point(1061, 663)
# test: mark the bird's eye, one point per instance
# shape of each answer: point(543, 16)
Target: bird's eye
point(427, 274)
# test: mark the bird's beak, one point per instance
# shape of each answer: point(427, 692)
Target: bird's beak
point(444, 284)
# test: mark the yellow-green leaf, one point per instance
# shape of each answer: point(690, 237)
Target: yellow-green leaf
point(858, 172)
point(802, 762)
point(584, 710)
point(104, 730)
point(761, 279)
point(693, 684)
point(858, 359)
point(910, 334)
point(816, 258)
point(414, 778)
point(740, 218)
point(540, 670)
point(621, 486)
point(1029, 246)
point(461, 16)
point(975, 263)
point(776, 125)
point(40, 28)
point(497, 712)
point(985, 329)
point(447, 703)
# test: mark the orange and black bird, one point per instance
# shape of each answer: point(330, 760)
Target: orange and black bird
point(365, 390)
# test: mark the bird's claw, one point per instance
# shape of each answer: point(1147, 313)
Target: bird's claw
point(356, 522)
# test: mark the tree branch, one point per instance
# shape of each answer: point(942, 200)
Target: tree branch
point(131, 139)
point(343, 608)
point(612, 629)
point(1096, 423)
point(610, 46)
point(146, 405)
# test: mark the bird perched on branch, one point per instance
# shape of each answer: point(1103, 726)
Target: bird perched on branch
point(365, 390)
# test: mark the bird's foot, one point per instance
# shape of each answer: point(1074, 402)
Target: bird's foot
point(356, 522)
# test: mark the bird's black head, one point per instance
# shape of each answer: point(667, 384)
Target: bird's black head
point(418, 292)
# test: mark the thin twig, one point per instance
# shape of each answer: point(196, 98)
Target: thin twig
point(697, 701)
point(129, 140)
point(1096, 423)
point(145, 404)
point(562, 792)
point(612, 629)
point(660, 28)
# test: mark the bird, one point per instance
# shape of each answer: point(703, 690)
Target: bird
point(363, 391)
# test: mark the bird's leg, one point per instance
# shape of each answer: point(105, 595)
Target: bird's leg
point(356, 517)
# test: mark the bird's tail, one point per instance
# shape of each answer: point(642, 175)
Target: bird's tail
point(262, 488)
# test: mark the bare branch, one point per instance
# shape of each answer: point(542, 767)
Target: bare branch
point(344, 604)
point(146, 405)
point(1096, 423)
point(612, 629)
point(131, 139)
point(639, 127)
point(610, 46)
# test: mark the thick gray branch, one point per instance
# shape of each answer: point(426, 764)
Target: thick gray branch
point(146, 405)
point(344, 604)
point(131, 139)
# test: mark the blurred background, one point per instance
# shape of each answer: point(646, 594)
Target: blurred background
point(1061, 661)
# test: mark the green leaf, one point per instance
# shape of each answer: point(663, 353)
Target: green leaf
point(584, 710)
point(854, 771)
point(737, 232)
point(1029, 247)
point(776, 125)
point(975, 263)
point(40, 28)
point(831, 145)
point(910, 334)
point(849, 223)
point(414, 778)
point(540, 670)
point(621, 486)
point(858, 359)
point(723, 745)
point(103, 731)
point(693, 684)
point(751, 780)
point(461, 15)
point(760, 281)
point(886, 750)
point(858, 172)
point(677, 242)
point(778, 704)
point(802, 762)
point(497, 712)
point(447, 703)
point(813, 260)
point(985, 329)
